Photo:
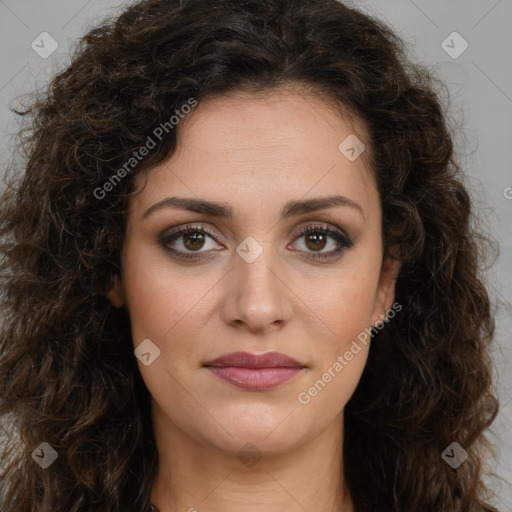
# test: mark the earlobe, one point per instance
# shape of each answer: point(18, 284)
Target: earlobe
point(386, 289)
point(115, 292)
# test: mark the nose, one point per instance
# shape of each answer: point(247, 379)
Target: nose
point(257, 297)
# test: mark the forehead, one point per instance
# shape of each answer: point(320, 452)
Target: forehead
point(264, 149)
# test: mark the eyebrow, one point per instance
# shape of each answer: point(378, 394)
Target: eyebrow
point(223, 210)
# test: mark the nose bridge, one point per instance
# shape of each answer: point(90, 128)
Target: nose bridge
point(257, 277)
point(259, 298)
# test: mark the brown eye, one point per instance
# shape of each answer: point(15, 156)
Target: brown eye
point(316, 241)
point(318, 238)
point(184, 241)
point(194, 240)
point(188, 242)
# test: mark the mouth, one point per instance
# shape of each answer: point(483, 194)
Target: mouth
point(255, 372)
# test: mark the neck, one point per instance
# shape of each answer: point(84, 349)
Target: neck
point(199, 477)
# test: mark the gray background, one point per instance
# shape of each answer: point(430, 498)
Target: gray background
point(480, 94)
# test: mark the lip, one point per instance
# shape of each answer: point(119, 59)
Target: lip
point(248, 360)
point(255, 372)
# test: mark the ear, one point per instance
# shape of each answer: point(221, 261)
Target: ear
point(386, 289)
point(115, 293)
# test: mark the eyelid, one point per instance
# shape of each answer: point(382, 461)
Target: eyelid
point(339, 235)
point(201, 226)
point(342, 239)
point(178, 231)
point(184, 228)
point(323, 226)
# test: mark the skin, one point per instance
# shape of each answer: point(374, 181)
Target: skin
point(254, 153)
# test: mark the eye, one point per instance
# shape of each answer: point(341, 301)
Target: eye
point(189, 242)
point(316, 239)
point(188, 239)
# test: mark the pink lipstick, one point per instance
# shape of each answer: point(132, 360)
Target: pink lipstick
point(255, 372)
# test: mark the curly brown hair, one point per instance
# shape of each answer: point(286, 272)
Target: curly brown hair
point(68, 375)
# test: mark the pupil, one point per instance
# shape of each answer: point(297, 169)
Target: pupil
point(194, 238)
point(320, 238)
point(195, 241)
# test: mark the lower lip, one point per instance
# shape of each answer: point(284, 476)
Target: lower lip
point(254, 378)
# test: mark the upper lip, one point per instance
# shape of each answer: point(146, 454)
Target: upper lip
point(248, 360)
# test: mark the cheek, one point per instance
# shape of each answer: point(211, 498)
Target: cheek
point(163, 307)
point(341, 354)
point(345, 307)
point(170, 307)
point(346, 302)
point(159, 299)
point(328, 391)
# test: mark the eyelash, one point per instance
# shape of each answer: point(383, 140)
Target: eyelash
point(343, 241)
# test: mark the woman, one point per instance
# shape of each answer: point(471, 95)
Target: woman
point(239, 274)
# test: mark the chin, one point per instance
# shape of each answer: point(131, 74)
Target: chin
point(269, 429)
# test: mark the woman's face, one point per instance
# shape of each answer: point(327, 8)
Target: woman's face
point(254, 282)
